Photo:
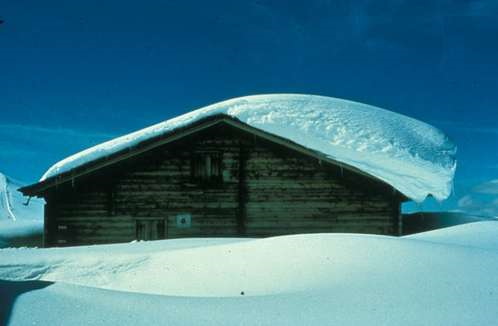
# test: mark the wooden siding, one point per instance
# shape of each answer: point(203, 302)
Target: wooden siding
point(288, 193)
point(265, 190)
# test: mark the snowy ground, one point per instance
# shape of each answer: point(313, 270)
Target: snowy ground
point(443, 277)
point(20, 224)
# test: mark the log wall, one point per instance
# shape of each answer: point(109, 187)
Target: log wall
point(295, 194)
point(263, 190)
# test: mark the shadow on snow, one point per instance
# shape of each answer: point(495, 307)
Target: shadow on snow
point(10, 290)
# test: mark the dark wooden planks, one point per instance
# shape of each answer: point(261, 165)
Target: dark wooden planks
point(265, 190)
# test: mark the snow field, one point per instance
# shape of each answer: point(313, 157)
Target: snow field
point(439, 278)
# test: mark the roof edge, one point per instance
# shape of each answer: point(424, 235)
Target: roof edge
point(37, 189)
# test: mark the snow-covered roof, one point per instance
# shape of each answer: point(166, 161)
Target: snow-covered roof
point(415, 158)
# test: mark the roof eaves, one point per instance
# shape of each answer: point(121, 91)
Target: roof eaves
point(37, 189)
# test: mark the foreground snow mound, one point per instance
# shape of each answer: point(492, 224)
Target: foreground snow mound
point(230, 267)
point(17, 220)
point(319, 279)
point(412, 156)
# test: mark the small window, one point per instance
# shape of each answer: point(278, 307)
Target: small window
point(206, 167)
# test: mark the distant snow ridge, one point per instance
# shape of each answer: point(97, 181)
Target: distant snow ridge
point(19, 223)
point(13, 205)
point(415, 158)
point(5, 200)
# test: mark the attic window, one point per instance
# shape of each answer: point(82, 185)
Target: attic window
point(206, 166)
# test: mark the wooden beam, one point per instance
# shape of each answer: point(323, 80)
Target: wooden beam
point(242, 191)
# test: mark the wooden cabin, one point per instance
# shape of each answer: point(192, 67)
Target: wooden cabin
point(217, 177)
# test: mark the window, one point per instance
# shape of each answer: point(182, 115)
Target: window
point(206, 167)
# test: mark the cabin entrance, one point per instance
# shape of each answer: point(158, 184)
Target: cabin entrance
point(150, 229)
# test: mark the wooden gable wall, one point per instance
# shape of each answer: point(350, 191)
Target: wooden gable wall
point(263, 190)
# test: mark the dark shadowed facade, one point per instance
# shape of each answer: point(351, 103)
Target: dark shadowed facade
point(217, 177)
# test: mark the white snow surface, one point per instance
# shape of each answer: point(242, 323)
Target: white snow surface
point(477, 234)
point(414, 157)
point(18, 220)
point(310, 279)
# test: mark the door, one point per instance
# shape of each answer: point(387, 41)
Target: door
point(150, 229)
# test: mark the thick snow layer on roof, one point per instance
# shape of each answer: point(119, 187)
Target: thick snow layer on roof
point(412, 156)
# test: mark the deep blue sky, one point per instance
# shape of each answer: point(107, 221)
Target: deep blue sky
point(75, 73)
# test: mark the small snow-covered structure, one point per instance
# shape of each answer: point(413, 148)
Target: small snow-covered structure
point(252, 166)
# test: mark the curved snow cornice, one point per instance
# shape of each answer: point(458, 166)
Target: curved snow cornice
point(412, 156)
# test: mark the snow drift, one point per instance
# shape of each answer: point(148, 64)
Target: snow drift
point(412, 156)
point(443, 278)
point(483, 235)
